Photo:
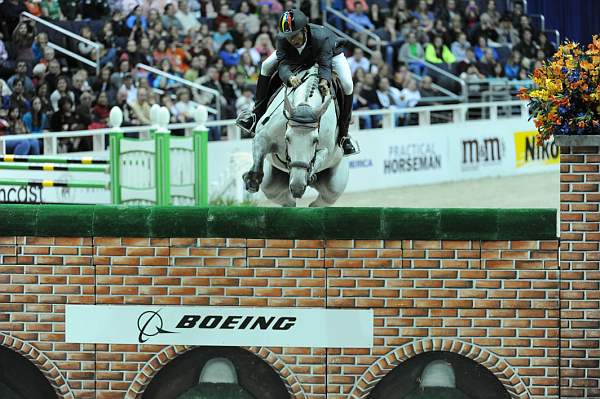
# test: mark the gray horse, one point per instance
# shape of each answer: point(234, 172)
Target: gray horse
point(298, 137)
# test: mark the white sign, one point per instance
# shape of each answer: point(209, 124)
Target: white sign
point(219, 326)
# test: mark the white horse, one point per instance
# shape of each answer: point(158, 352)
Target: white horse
point(298, 136)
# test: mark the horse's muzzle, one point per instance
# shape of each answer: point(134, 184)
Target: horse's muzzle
point(297, 190)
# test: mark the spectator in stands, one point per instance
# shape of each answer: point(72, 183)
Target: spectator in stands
point(116, 79)
point(185, 107)
point(51, 10)
point(426, 88)
point(35, 120)
point(221, 36)
point(482, 47)
point(225, 16)
point(163, 82)
point(527, 48)
point(545, 45)
point(42, 92)
point(360, 19)
point(507, 34)
point(62, 90)
point(472, 14)
point(247, 17)
point(229, 55)
point(141, 108)
point(98, 8)
point(247, 69)
point(487, 30)
point(375, 16)
point(459, 48)
point(132, 54)
point(358, 60)
point(492, 13)
point(447, 12)
point(391, 37)
point(411, 52)
point(39, 45)
point(409, 97)
point(83, 111)
point(16, 126)
point(401, 14)
point(387, 96)
point(425, 17)
point(21, 74)
point(11, 15)
point(498, 71)
point(22, 41)
point(64, 120)
point(263, 45)
point(70, 9)
point(169, 19)
point(487, 63)
point(513, 65)
point(351, 5)
point(135, 20)
point(179, 58)
point(438, 53)
point(187, 20)
point(79, 86)
point(18, 99)
point(86, 50)
point(101, 110)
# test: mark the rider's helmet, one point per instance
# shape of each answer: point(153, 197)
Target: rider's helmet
point(292, 22)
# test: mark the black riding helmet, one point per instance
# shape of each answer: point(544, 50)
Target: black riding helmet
point(292, 22)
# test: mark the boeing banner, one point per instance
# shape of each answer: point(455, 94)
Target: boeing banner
point(219, 326)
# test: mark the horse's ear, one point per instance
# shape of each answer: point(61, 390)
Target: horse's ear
point(286, 104)
point(323, 108)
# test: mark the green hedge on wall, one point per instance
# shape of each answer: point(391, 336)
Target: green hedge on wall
point(285, 223)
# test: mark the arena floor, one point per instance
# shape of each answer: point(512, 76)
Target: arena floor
point(527, 191)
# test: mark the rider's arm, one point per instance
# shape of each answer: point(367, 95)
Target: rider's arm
point(324, 59)
point(282, 61)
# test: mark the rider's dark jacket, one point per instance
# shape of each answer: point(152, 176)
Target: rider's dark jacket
point(321, 46)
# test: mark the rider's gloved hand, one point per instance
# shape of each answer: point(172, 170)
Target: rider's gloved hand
point(324, 87)
point(294, 81)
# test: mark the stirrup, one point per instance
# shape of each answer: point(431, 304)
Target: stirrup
point(353, 143)
point(247, 122)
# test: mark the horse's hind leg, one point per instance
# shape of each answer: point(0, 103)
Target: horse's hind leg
point(331, 184)
point(275, 185)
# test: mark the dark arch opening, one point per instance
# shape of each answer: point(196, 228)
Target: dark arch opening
point(20, 379)
point(255, 376)
point(473, 380)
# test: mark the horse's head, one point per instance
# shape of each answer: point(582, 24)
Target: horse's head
point(301, 140)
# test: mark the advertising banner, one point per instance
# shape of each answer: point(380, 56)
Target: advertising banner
point(219, 326)
point(530, 157)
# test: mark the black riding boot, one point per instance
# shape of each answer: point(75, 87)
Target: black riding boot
point(248, 120)
point(344, 124)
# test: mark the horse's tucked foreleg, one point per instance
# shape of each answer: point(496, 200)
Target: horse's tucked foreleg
point(254, 176)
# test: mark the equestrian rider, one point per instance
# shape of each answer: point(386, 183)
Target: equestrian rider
point(301, 44)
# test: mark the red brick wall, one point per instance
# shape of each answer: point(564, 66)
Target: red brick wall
point(580, 272)
point(494, 302)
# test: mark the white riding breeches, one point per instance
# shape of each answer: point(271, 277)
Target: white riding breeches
point(269, 65)
point(339, 65)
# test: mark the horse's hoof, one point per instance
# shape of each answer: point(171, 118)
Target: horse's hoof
point(252, 181)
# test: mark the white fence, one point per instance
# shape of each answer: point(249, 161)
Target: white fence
point(454, 113)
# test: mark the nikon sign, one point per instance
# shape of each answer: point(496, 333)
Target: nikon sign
point(219, 326)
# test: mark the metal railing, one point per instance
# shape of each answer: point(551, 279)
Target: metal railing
point(542, 20)
point(556, 35)
point(189, 84)
point(96, 46)
point(328, 10)
point(459, 113)
point(463, 86)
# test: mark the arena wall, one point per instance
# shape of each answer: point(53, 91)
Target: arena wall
point(483, 284)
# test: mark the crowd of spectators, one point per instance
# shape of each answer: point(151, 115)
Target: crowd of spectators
point(220, 44)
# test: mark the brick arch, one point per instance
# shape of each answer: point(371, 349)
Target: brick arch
point(158, 361)
point(42, 362)
point(511, 381)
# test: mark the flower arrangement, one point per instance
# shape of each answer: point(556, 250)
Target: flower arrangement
point(565, 98)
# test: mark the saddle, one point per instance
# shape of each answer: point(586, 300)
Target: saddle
point(276, 85)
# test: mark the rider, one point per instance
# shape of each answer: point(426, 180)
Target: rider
point(302, 44)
